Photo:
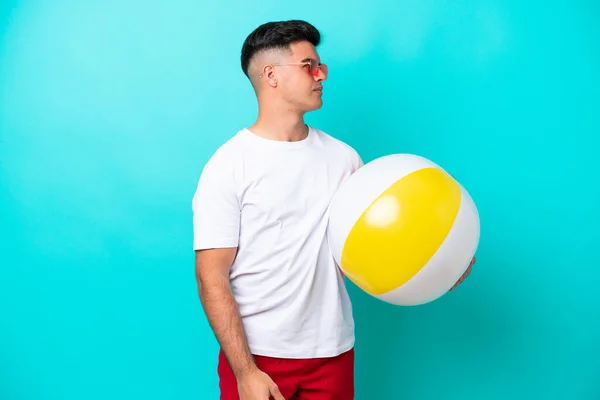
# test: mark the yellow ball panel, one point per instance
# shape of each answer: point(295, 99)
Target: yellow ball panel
point(401, 230)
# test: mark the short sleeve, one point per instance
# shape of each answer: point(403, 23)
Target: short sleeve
point(215, 206)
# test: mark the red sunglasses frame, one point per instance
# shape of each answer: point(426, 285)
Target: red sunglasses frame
point(315, 67)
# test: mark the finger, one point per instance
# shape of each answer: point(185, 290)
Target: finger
point(462, 278)
point(276, 393)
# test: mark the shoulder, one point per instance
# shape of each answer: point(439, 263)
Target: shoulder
point(222, 168)
point(341, 148)
point(225, 157)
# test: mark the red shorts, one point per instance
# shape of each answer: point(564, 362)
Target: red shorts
point(298, 379)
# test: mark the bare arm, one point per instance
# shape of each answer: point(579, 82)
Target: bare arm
point(212, 276)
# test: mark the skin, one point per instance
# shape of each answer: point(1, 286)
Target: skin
point(212, 275)
point(464, 276)
point(285, 93)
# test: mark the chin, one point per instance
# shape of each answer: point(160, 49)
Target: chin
point(315, 106)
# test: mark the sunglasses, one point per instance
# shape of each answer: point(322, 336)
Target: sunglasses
point(313, 70)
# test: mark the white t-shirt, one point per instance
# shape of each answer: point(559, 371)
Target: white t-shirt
point(271, 199)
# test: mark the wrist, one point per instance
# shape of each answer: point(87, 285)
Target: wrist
point(245, 370)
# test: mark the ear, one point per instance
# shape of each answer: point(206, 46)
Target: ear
point(268, 74)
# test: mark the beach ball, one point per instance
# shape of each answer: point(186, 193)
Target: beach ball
point(403, 229)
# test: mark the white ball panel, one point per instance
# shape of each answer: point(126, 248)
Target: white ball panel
point(447, 265)
point(362, 188)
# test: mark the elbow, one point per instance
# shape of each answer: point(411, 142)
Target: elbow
point(201, 278)
point(210, 280)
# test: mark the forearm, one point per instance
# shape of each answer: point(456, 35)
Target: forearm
point(224, 317)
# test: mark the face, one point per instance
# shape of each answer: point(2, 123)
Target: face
point(300, 78)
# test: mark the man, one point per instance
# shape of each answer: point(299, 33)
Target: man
point(268, 283)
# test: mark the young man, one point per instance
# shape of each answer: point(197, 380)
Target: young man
point(268, 283)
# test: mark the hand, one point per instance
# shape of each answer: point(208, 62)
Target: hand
point(257, 385)
point(464, 276)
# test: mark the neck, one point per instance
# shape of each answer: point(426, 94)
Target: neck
point(280, 123)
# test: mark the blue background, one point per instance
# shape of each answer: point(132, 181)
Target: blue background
point(109, 110)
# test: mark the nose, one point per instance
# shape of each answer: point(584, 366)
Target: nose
point(321, 76)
